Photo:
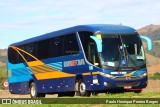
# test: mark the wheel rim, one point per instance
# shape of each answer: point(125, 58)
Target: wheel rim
point(33, 91)
point(82, 88)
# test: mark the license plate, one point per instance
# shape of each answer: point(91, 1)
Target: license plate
point(127, 87)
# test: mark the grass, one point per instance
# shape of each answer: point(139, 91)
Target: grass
point(85, 105)
point(3, 75)
point(155, 76)
point(126, 95)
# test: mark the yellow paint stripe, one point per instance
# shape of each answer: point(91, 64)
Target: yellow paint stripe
point(35, 70)
point(24, 52)
point(41, 69)
point(35, 63)
point(45, 68)
point(32, 63)
point(95, 73)
point(55, 74)
point(39, 74)
point(130, 74)
point(20, 54)
point(86, 73)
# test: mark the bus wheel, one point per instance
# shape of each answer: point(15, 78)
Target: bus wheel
point(82, 89)
point(33, 91)
point(41, 95)
point(70, 94)
point(95, 93)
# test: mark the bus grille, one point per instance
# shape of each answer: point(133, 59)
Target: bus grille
point(124, 78)
point(122, 84)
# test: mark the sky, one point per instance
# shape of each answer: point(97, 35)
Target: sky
point(23, 19)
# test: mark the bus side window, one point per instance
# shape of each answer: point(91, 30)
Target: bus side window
point(43, 49)
point(12, 56)
point(57, 47)
point(89, 47)
point(71, 44)
point(92, 53)
point(30, 50)
point(20, 59)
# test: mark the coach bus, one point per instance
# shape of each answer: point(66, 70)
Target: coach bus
point(80, 59)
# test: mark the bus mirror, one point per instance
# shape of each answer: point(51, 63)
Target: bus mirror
point(98, 43)
point(149, 41)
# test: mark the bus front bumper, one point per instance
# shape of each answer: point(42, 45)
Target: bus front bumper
point(122, 83)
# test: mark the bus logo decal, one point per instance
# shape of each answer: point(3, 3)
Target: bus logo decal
point(74, 63)
point(128, 78)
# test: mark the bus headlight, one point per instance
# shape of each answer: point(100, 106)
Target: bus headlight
point(106, 75)
point(143, 75)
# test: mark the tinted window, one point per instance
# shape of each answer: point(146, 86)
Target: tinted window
point(20, 59)
point(71, 45)
point(12, 55)
point(31, 50)
point(43, 49)
point(54, 47)
point(57, 46)
point(89, 47)
point(64, 45)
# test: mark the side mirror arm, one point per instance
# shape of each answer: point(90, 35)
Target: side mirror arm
point(149, 41)
point(98, 43)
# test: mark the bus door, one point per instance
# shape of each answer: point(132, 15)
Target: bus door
point(92, 53)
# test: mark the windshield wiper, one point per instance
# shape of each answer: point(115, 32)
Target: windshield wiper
point(137, 67)
point(119, 59)
point(126, 56)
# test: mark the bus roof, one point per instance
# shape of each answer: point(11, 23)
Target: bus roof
point(105, 28)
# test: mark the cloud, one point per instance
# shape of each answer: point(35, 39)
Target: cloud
point(42, 16)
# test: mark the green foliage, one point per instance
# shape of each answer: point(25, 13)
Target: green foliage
point(155, 76)
point(3, 59)
point(3, 75)
point(156, 50)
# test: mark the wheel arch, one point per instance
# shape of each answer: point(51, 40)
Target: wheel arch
point(78, 77)
point(29, 83)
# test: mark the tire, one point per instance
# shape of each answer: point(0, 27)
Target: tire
point(41, 95)
point(33, 91)
point(82, 89)
point(70, 94)
point(95, 93)
point(137, 91)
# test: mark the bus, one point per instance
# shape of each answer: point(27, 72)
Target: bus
point(80, 59)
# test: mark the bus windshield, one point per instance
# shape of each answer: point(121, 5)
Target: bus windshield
point(121, 51)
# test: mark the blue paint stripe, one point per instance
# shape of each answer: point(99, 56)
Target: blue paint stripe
point(14, 73)
point(59, 62)
point(29, 70)
point(15, 66)
point(19, 78)
point(139, 72)
point(56, 65)
point(21, 71)
point(59, 68)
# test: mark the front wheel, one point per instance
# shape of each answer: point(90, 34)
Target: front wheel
point(137, 91)
point(82, 89)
